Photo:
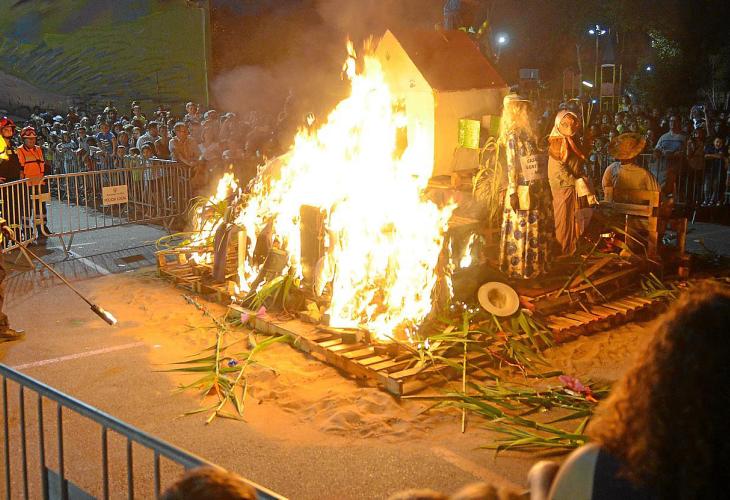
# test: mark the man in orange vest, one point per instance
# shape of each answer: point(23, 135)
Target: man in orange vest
point(34, 168)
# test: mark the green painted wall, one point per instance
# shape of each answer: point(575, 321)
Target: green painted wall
point(97, 50)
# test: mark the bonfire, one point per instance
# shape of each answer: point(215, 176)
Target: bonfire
point(382, 237)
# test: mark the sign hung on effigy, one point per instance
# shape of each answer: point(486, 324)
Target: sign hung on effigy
point(469, 131)
point(533, 167)
point(114, 195)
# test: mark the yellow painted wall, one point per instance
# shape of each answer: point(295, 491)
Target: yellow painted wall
point(453, 106)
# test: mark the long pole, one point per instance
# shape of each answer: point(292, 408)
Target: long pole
point(205, 15)
point(595, 74)
point(105, 315)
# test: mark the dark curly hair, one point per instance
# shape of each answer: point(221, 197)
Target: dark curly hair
point(667, 419)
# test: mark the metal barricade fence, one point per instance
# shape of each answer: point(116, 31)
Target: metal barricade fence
point(143, 191)
point(39, 464)
point(18, 209)
point(694, 187)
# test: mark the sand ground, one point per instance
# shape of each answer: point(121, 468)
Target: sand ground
point(308, 431)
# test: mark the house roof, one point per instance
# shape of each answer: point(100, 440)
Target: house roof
point(449, 60)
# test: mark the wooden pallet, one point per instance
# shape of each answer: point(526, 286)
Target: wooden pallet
point(178, 256)
point(597, 317)
point(388, 366)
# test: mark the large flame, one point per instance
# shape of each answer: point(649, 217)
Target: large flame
point(383, 237)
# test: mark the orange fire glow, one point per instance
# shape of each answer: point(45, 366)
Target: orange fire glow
point(383, 237)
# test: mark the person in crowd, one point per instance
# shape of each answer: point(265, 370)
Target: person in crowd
point(162, 143)
point(196, 132)
point(716, 159)
point(211, 149)
point(670, 150)
point(192, 113)
point(72, 118)
point(137, 115)
point(123, 139)
point(625, 105)
point(82, 140)
point(96, 155)
point(110, 114)
point(149, 137)
point(661, 433)
point(119, 155)
point(564, 168)
point(105, 138)
point(182, 148)
point(135, 135)
point(527, 225)
point(207, 483)
point(624, 177)
point(66, 149)
point(696, 164)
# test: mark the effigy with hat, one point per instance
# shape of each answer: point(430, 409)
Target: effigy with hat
point(627, 146)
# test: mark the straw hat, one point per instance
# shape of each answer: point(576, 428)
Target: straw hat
point(498, 298)
point(626, 146)
point(513, 97)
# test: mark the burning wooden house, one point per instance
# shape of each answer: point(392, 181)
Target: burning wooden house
point(444, 84)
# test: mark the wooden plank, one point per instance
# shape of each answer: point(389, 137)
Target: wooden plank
point(617, 307)
point(601, 311)
point(360, 353)
point(390, 364)
point(343, 348)
point(372, 360)
point(624, 303)
point(330, 343)
point(577, 318)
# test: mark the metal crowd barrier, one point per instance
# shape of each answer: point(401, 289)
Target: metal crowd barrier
point(695, 188)
point(142, 191)
point(18, 209)
point(38, 464)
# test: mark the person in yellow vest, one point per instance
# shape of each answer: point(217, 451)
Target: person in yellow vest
point(7, 334)
point(9, 165)
point(34, 168)
point(9, 171)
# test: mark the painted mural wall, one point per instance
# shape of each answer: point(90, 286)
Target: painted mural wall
point(92, 51)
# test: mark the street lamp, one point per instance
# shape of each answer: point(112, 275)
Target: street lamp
point(502, 40)
point(649, 68)
point(596, 31)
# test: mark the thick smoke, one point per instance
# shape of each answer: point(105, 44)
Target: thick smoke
point(298, 48)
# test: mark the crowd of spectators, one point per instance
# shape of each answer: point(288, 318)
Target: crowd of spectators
point(207, 141)
point(686, 147)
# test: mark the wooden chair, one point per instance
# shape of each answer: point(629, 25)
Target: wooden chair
point(646, 205)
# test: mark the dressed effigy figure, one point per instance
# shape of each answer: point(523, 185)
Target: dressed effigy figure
point(527, 222)
point(564, 169)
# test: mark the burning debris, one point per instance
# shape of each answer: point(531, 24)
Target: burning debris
point(380, 237)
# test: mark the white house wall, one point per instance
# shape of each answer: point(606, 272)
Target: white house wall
point(407, 83)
